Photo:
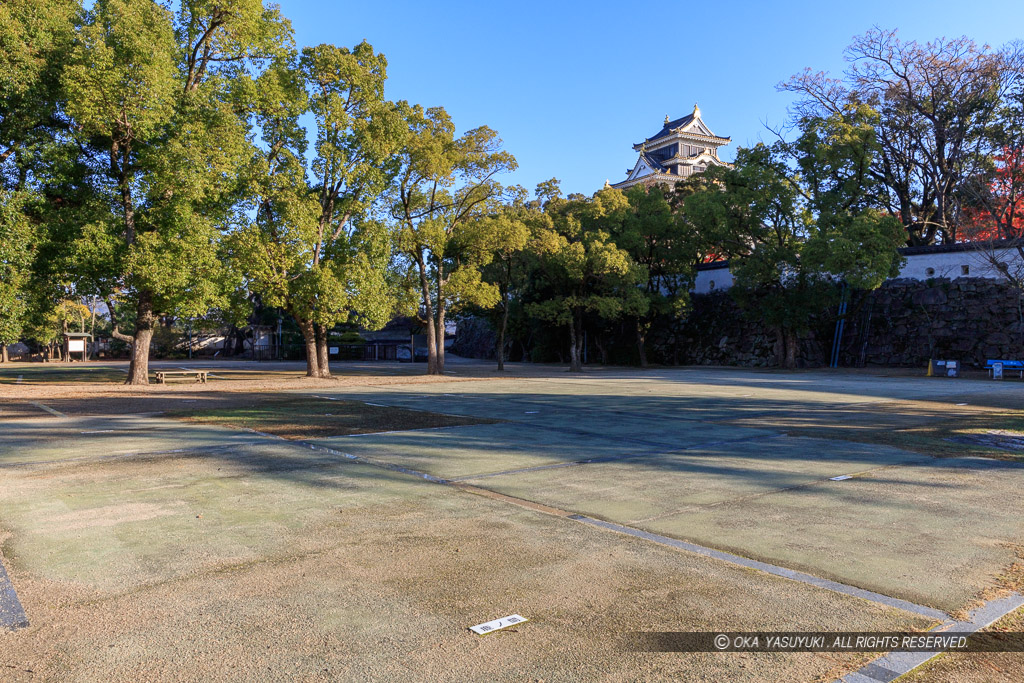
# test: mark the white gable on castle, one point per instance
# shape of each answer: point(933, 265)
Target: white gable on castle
point(680, 149)
point(644, 167)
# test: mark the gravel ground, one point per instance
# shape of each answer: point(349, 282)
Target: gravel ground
point(372, 591)
point(153, 549)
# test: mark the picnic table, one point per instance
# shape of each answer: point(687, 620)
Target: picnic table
point(162, 375)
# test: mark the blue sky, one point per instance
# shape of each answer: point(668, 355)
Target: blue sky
point(570, 86)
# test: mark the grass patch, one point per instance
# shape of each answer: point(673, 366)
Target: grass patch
point(930, 428)
point(302, 417)
point(49, 375)
point(224, 374)
point(954, 667)
point(37, 374)
point(19, 410)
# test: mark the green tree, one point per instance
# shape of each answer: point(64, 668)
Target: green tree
point(660, 243)
point(934, 102)
point(795, 220)
point(16, 258)
point(511, 229)
point(160, 103)
point(313, 248)
point(47, 321)
point(445, 185)
point(35, 36)
point(582, 268)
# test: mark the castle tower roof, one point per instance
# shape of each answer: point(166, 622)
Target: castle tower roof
point(681, 147)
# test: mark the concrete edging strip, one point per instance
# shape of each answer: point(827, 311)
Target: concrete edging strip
point(843, 588)
point(12, 614)
point(791, 574)
point(51, 411)
point(896, 664)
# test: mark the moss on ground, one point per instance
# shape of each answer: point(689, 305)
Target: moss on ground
point(45, 374)
point(304, 417)
point(927, 427)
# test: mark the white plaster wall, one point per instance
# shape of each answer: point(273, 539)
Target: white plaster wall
point(711, 280)
point(951, 265)
point(918, 267)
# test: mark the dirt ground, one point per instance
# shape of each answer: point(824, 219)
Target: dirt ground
point(166, 533)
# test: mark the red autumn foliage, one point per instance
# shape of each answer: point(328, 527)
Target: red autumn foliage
point(1000, 212)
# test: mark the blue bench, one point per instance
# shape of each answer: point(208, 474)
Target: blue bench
point(1017, 365)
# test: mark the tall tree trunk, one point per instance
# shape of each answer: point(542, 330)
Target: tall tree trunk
point(440, 332)
point(792, 349)
point(323, 359)
point(428, 310)
point(602, 348)
point(788, 346)
point(575, 344)
point(238, 349)
point(500, 350)
point(641, 342)
point(431, 347)
point(92, 331)
point(4, 358)
point(138, 368)
point(309, 337)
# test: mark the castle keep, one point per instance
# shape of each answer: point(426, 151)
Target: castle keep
point(681, 148)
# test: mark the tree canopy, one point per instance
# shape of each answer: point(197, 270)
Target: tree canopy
point(189, 162)
point(935, 103)
point(445, 186)
point(313, 248)
point(795, 221)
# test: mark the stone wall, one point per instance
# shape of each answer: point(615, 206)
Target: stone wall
point(474, 338)
point(904, 323)
point(717, 332)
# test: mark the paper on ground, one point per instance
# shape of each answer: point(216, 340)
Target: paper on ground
point(504, 622)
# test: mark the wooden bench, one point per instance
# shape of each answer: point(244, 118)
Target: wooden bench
point(161, 375)
point(1017, 365)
